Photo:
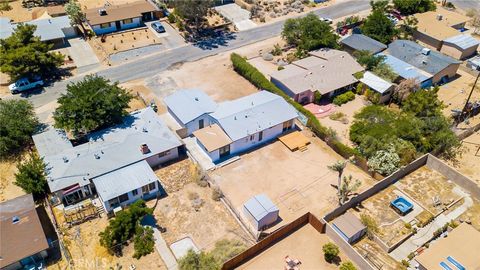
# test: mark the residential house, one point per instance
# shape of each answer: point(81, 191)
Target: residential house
point(55, 30)
point(235, 126)
point(459, 250)
point(406, 71)
point(441, 67)
point(111, 18)
point(380, 86)
point(359, 42)
point(327, 71)
point(23, 242)
point(474, 63)
point(442, 30)
point(190, 108)
point(114, 163)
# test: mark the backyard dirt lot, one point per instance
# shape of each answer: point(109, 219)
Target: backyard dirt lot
point(189, 210)
point(469, 160)
point(8, 190)
point(297, 182)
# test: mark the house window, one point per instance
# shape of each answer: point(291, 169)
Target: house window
point(224, 151)
point(123, 198)
point(135, 192)
point(287, 125)
point(201, 124)
point(164, 154)
point(252, 137)
point(104, 25)
point(260, 135)
point(151, 186)
point(127, 21)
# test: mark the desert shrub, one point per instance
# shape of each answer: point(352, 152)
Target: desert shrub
point(277, 50)
point(347, 266)
point(344, 98)
point(317, 96)
point(216, 194)
point(280, 68)
point(172, 18)
point(359, 88)
point(330, 252)
point(370, 223)
point(337, 116)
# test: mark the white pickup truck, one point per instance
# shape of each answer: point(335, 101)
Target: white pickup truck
point(25, 84)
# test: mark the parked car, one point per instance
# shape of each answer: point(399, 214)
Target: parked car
point(396, 14)
point(157, 26)
point(327, 20)
point(25, 84)
point(392, 18)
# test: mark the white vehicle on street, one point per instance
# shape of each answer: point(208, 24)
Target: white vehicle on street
point(25, 84)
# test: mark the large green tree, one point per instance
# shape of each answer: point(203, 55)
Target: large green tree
point(379, 27)
point(368, 60)
point(17, 124)
point(193, 11)
point(75, 14)
point(24, 55)
point(90, 104)
point(125, 226)
point(31, 176)
point(143, 242)
point(198, 261)
point(409, 7)
point(309, 33)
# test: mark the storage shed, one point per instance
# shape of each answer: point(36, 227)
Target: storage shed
point(261, 211)
point(349, 227)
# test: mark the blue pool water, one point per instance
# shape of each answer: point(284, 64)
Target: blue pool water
point(402, 205)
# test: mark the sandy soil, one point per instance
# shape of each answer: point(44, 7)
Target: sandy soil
point(467, 162)
point(20, 14)
point(304, 245)
point(8, 190)
point(472, 214)
point(297, 182)
point(131, 39)
point(86, 4)
point(376, 255)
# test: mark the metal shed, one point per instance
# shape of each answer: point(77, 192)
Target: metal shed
point(261, 211)
point(349, 227)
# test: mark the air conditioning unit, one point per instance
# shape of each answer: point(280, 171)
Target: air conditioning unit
point(102, 12)
point(426, 51)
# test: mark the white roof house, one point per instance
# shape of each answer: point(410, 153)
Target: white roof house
point(261, 211)
point(376, 83)
point(47, 29)
point(463, 41)
point(188, 105)
point(112, 150)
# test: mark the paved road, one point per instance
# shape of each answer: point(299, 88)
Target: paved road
point(467, 4)
point(153, 64)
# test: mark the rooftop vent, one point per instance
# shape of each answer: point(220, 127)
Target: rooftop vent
point(15, 219)
point(144, 130)
point(439, 17)
point(102, 12)
point(97, 156)
point(196, 98)
point(65, 159)
point(144, 149)
point(426, 51)
point(424, 62)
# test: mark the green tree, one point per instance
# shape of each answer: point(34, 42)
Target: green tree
point(143, 242)
point(198, 261)
point(309, 33)
point(381, 5)
point(24, 55)
point(385, 71)
point(408, 27)
point(123, 227)
point(75, 14)
point(347, 266)
point(424, 103)
point(385, 162)
point(91, 104)
point(194, 11)
point(379, 27)
point(31, 176)
point(348, 187)
point(371, 224)
point(409, 7)
point(5, 6)
point(330, 252)
point(18, 123)
point(368, 60)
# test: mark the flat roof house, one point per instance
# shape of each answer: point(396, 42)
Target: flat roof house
point(378, 85)
point(234, 126)
point(359, 42)
point(111, 18)
point(459, 250)
point(23, 241)
point(53, 30)
point(116, 162)
point(442, 30)
point(441, 67)
point(327, 71)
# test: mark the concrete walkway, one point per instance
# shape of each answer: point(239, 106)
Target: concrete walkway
point(198, 154)
point(164, 251)
point(426, 233)
point(82, 54)
point(237, 15)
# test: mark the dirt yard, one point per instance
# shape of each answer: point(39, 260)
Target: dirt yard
point(8, 190)
point(86, 4)
point(188, 206)
point(467, 162)
point(297, 182)
point(269, 11)
point(424, 184)
point(472, 215)
point(20, 14)
point(375, 255)
point(128, 40)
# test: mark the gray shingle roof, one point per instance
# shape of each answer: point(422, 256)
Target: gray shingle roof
point(248, 115)
point(107, 150)
point(187, 105)
point(463, 41)
point(405, 70)
point(361, 42)
point(411, 53)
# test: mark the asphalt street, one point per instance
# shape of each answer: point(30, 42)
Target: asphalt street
point(154, 63)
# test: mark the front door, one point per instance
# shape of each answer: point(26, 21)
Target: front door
point(224, 151)
point(201, 124)
point(118, 25)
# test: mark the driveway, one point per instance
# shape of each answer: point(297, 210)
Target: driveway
point(171, 38)
point(82, 54)
point(237, 15)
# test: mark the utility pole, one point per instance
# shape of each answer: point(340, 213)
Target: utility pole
point(462, 117)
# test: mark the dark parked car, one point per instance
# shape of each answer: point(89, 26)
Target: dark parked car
point(157, 26)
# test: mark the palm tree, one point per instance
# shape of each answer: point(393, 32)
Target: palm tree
point(348, 187)
point(338, 167)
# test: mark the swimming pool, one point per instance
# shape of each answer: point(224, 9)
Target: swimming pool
point(402, 205)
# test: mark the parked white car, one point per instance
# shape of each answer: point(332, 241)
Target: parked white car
point(327, 20)
point(25, 84)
